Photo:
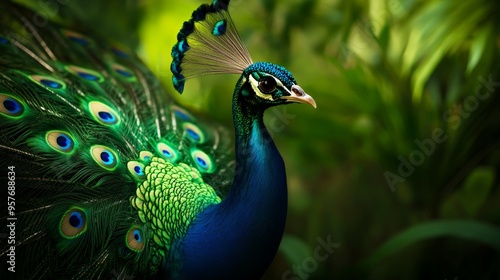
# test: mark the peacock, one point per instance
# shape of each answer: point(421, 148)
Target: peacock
point(104, 176)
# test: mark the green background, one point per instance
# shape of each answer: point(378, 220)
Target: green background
point(398, 164)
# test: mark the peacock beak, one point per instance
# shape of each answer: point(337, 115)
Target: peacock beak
point(297, 94)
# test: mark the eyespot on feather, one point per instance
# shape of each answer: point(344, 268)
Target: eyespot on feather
point(85, 74)
point(123, 72)
point(135, 239)
point(60, 141)
point(104, 157)
point(194, 132)
point(136, 169)
point(145, 156)
point(119, 52)
point(77, 38)
point(103, 113)
point(182, 114)
point(11, 106)
point(48, 82)
point(203, 162)
point(73, 223)
point(168, 151)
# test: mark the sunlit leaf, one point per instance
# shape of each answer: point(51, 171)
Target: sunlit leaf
point(479, 44)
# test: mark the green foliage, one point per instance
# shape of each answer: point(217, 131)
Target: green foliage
point(475, 231)
point(294, 249)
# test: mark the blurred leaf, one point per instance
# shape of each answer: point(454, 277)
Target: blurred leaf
point(478, 47)
point(471, 230)
point(476, 189)
point(294, 249)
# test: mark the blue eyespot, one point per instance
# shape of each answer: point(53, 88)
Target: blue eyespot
point(86, 74)
point(76, 219)
point(10, 106)
point(73, 223)
point(3, 40)
point(136, 169)
point(48, 82)
point(107, 117)
point(60, 141)
point(202, 161)
point(119, 53)
point(194, 133)
point(79, 40)
point(76, 37)
point(167, 151)
point(104, 156)
point(51, 84)
point(181, 113)
point(124, 73)
point(63, 141)
point(145, 156)
point(220, 28)
point(103, 113)
point(135, 239)
point(107, 157)
point(138, 235)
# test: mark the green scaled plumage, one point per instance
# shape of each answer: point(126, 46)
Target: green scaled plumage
point(85, 127)
point(170, 198)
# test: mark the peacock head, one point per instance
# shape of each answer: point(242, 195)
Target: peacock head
point(209, 43)
point(266, 84)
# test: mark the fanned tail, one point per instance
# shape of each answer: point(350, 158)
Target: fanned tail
point(78, 121)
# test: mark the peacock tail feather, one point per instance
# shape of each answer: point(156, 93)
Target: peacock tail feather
point(101, 155)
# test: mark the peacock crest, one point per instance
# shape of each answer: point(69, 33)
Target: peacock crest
point(208, 43)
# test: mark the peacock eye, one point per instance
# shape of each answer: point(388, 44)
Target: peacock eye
point(267, 84)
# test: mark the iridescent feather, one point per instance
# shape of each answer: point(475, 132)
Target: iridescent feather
point(83, 123)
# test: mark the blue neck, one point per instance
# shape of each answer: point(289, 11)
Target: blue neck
point(238, 238)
